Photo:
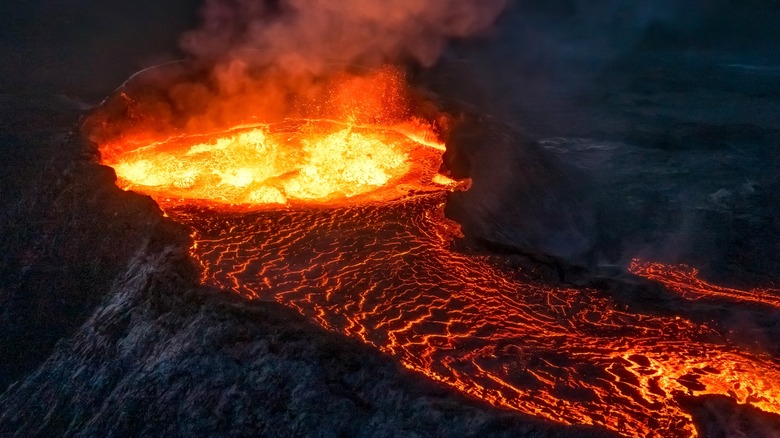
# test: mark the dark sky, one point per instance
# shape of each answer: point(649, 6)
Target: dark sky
point(88, 47)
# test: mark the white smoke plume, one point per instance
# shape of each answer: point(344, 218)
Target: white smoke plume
point(311, 36)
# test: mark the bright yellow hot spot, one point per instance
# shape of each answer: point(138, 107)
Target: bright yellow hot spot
point(312, 162)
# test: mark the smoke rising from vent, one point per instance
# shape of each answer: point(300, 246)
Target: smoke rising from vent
point(311, 36)
point(261, 61)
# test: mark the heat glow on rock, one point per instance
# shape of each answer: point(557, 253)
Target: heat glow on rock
point(342, 219)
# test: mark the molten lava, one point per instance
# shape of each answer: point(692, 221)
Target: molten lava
point(369, 148)
point(377, 265)
point(685, 281)
point(298, 162)
point(385, 274)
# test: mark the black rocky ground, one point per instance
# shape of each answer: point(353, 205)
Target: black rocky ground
point(670, 128)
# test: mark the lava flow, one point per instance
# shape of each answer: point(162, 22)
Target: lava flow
point(685, 281)
point(343, 221)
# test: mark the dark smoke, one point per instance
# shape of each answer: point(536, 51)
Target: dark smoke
point(260, 60)
point(544, 51)
point(310, 36)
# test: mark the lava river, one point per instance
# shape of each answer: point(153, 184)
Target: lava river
point(371, 258)
point(385, 274)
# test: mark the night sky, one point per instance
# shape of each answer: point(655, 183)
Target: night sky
point(88, 47)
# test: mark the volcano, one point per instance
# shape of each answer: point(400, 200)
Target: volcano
point(348, 253)
point(343, 221)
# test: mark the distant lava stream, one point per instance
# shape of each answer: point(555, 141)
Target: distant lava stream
point(685, 280)
point(371, 258)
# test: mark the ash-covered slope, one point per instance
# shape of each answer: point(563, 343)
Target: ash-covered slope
point(67, 231)
point(142, 350)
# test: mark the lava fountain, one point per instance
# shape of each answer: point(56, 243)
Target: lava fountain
point(336, 210)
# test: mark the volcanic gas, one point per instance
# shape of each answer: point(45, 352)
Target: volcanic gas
point(336, 209)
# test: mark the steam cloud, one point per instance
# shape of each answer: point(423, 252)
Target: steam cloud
point(311, 36)
point(267, 60)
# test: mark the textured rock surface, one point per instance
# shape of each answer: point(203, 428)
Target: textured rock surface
point(67, 231)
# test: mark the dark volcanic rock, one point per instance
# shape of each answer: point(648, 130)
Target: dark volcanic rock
point(720, 417)
point(67, 231)
point(163, 358)
point(522, 199)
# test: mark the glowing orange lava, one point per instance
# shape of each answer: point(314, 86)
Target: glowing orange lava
point(369, 148)
point(383, 271)
point(385, 274)
point(298, 162)
point(685, 280)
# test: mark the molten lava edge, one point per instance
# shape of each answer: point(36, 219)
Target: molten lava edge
point(685, 281)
